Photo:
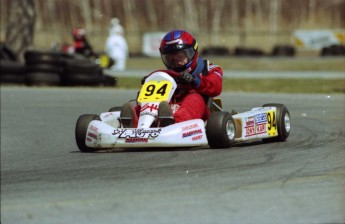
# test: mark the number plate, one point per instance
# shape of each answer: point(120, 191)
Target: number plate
point(272, 123)
point(155, 91)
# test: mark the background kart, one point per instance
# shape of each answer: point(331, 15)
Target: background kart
point(271, 122)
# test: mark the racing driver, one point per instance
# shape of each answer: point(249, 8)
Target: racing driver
point(198, 80)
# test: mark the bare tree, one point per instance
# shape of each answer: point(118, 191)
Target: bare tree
point(20, 27)
point(217, 20)
point(86, 14)
point(190, 15)
point(258, 14)
point(129, 11)
point(274, 13)
point(234, 15)
point(207, 18)
point(151, 14)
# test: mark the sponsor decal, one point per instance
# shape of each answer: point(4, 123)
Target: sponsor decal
point(93, 128)
point(136, 140)
point(250, 131)
point(252, 128)
point(175, 107)
point(152, 107)
point(148, 113)
point(196, 137)
point(137, 133)
point(250, 122)
point(189, 127)
point(260, 118)
point(317, 39)
point(88, 139)
point(191, 133)
point(261, 128)
point(92, 135)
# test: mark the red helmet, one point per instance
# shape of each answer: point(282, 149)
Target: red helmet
point(179, 51)
point(79, 34)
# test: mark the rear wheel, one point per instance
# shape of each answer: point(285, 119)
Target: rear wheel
point(81, 130)
point(283, 122)
point(220, 130)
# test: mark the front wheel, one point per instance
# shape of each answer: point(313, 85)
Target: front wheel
point(220, 130)
point(283, 122)
point(81, 130)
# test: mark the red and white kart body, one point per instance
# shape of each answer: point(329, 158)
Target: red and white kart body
point(221, 130)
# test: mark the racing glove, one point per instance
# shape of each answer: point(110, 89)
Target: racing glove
point(188, 78)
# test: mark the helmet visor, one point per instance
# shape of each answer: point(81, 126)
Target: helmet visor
point(178, 59)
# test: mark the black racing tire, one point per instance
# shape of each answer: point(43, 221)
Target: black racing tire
point(109, 81)
point(326, 51)
point(282, 122)
point(6, 53)
point(12, 67)
point(82, 66)
point(283, 50)
point(216, 50)
point(42, 79)
point(333, 50)
point(240, 51)
point(250, 52)
point(44, 68)
point(9, 78)
point(12, 72)
point(43, 57)
point(81, 79)
point(220, 130)
point(81, 129)
point(115, 109)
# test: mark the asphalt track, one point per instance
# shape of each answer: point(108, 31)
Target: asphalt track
point(45, 179)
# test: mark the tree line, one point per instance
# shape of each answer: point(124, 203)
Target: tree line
point(204, 17)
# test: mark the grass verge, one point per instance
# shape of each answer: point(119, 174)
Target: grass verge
point(255, 63)
point(264, 85)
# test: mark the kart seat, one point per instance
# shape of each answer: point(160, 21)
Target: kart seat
point(214, 104)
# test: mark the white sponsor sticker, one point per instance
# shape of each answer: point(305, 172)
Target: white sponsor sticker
point(317, 39)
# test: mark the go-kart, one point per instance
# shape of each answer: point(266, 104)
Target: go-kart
point(271, 122)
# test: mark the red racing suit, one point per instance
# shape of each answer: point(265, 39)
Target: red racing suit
point(83, 47)
point(190, 103)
